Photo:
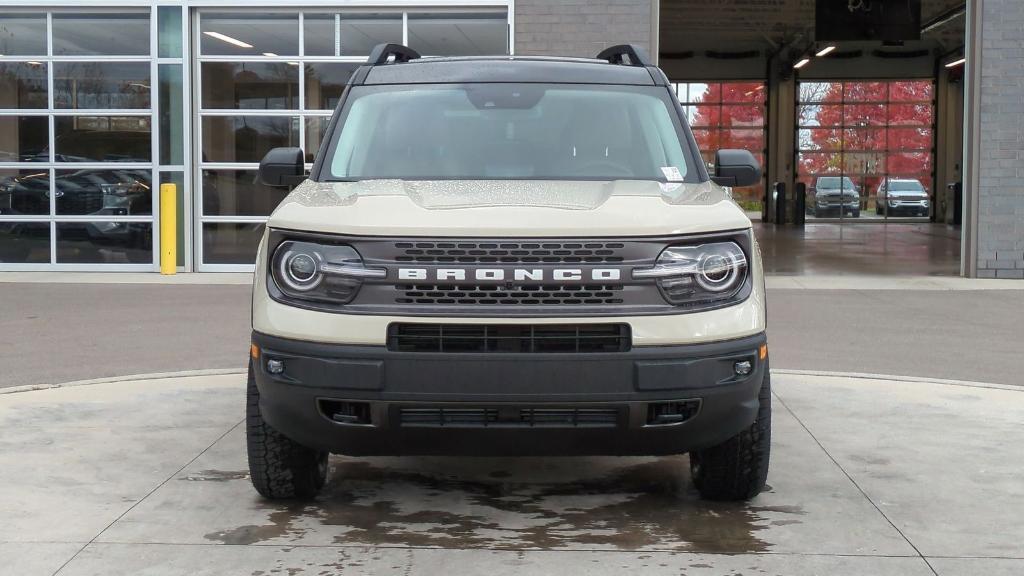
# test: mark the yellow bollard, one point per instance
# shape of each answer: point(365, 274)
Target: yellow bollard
point(168, 229)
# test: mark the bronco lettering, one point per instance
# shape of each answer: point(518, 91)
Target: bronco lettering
point(518, 274)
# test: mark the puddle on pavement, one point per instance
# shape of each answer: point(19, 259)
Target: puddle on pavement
point(649, 505)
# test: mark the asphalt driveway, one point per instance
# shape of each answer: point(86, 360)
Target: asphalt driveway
point(56, 332)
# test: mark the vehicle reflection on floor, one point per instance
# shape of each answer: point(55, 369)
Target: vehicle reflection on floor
point(876, 249)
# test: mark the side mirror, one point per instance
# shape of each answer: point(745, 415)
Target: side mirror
point(736, 168)
point(283, 167)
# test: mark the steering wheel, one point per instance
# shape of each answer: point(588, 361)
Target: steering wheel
point(604, 168)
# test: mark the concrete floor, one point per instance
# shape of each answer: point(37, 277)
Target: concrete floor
point(860, 249)
point(868, 477)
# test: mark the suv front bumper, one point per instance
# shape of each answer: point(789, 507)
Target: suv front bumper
point(508, 403)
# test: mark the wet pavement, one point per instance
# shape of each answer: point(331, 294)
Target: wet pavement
point(872, 249)
point(868, 476)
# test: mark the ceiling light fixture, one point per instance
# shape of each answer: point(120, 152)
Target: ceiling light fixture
point(801, 63)
point(956, 63)
point(228, 39)
point(270, 54)
point(825, 51)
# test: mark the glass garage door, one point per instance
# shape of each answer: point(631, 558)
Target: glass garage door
point(728, 115)
point(76, 140)
point(865, 149)
point(269, 79)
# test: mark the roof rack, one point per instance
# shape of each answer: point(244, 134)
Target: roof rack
point(382, 52)
point(636, 55)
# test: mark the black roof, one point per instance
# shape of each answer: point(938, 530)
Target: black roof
point(609, 68)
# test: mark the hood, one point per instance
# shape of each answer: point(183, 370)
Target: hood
point(835, 192)
point(484, 208)
point(907, 194)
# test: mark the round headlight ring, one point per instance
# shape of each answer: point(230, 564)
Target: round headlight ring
point(720, 271)
point(299, 270)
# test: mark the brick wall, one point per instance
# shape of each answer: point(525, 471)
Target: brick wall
point(1000, 218)
point(580, 27)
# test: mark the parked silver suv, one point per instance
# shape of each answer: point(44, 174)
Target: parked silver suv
point(902, 197)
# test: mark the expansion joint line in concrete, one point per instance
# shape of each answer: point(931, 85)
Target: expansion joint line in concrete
point(855, 484)
point(148, 494)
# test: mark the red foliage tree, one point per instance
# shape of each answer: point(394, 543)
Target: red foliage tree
point(731, 115)
point(867, 130)
point(737, 108)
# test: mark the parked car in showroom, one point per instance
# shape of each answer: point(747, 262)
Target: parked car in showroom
point(86, 192)
point(902, 197)
point(508, 256)
point(834, 196)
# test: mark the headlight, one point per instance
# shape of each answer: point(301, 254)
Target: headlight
point(699, 275)
point(313, 272)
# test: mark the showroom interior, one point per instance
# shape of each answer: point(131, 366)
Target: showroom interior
point(100, 102)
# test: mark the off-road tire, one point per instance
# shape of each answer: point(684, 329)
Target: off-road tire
point(279, 467)
point(737, 468)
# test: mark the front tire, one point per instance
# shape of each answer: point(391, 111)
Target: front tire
point(278, 467)
point(737, 469)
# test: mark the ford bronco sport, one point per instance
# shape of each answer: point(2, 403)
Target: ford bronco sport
point(508, 256)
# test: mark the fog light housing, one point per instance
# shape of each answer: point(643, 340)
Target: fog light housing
point(351, 413)
point(671, 413)
point(743, 368)
point(275, 366)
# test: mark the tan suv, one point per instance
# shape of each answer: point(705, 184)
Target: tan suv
point(508, 256)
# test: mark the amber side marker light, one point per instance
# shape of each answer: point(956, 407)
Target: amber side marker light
point(763, 352)
point(254, 351)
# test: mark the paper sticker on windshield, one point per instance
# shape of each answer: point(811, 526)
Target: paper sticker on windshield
point(672, 174)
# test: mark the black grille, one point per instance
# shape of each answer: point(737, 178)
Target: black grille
point(509, 252)
point(80, 202)
point(512, 338)
point(508, 417)
point(490, 295)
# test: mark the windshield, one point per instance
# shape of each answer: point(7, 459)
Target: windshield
point(834, 181)
point(905, 186)
point(508, 131)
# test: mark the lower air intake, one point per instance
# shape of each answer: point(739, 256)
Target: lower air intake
point(508, 417)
